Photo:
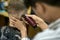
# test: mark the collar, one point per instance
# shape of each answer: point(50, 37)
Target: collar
point(55, 24)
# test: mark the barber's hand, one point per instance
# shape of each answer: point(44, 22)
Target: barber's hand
point(19, 25)
point(39, 21)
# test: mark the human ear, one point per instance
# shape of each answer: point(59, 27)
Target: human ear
point(40, 7)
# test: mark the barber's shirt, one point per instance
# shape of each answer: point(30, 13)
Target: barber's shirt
point(52, 33)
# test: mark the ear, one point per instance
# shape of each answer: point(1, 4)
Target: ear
point(40, 7)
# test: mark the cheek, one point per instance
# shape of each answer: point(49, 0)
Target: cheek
point(40, 14)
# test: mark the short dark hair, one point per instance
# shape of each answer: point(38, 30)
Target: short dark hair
point(49, 2)
point(16, 5)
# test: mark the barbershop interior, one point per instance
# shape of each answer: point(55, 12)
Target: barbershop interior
point(29, 19)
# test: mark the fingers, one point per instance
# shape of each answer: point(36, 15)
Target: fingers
point(33, 16)
point(13, 18)
point(24, 21)
point(17, 23)
point(36, 18)
point(12, 22)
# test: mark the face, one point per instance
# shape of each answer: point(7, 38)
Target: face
point(16, 13)
point(46, 12)
point(13, 13)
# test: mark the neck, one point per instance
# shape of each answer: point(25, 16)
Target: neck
point(52, 13)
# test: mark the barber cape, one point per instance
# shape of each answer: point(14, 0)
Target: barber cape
point(9, 33)
point(55, 25)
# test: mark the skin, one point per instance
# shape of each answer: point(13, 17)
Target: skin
point(49, 15)
point(16, 22)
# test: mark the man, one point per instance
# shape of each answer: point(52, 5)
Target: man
point(46, 10)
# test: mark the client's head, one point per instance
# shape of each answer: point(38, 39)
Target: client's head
point(16, 7)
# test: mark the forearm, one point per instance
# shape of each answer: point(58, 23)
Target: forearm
point(43, 26)
point(25, 38)
point(24, 35)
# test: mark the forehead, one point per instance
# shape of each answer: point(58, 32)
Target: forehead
point(16, 5)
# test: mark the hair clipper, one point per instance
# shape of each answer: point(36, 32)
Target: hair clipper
point(30, 21)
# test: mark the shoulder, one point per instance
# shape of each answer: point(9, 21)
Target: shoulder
point(52, 33)
point(48, 35)
point(45, 33)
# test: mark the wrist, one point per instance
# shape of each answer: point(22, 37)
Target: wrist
point(43, 26)
point(24, 33)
